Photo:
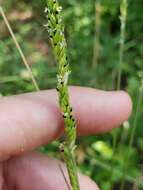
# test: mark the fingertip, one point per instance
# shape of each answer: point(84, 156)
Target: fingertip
point(101, 111)
point(122, 108)
point(120, 104)
point(127, 102)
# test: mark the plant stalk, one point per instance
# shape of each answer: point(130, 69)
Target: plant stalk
point(132, 136)
point(56, 32)
point(96, 48)
point(19, 49)
point(123, 17)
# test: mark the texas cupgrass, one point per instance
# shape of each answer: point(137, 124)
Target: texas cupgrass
point(56, 32)
point(55, 29)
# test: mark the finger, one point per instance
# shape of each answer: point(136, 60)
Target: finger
point(30, 120)
point(35, 171)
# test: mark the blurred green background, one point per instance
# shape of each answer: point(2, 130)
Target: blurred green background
point(93, 34)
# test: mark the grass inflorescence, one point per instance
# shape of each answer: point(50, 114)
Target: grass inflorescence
point(123, 17)
point(55, 29)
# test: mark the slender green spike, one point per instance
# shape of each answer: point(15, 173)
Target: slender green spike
point(123, 17)
point(55, 29)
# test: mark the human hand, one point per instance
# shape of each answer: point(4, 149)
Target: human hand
point(30, 120)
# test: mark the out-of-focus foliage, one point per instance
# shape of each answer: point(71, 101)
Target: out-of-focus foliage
point(27, 19)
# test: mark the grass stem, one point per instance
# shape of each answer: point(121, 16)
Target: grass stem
point(132, 136)
point(56, 32)
point(96, 49)
point(19, 48)
point(123, 17)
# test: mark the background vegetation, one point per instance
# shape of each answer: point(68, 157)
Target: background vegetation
point(93, 33)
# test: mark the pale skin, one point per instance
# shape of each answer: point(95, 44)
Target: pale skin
point(28, 121)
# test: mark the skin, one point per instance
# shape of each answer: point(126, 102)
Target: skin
point(28, 121)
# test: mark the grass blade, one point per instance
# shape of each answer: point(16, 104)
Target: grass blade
point(19, 49)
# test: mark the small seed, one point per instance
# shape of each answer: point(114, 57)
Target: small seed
point(57, 89)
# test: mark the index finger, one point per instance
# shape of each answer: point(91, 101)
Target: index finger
point(31, 120)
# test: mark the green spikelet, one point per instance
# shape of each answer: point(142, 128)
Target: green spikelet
point(56, 32)
point(123, 17)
